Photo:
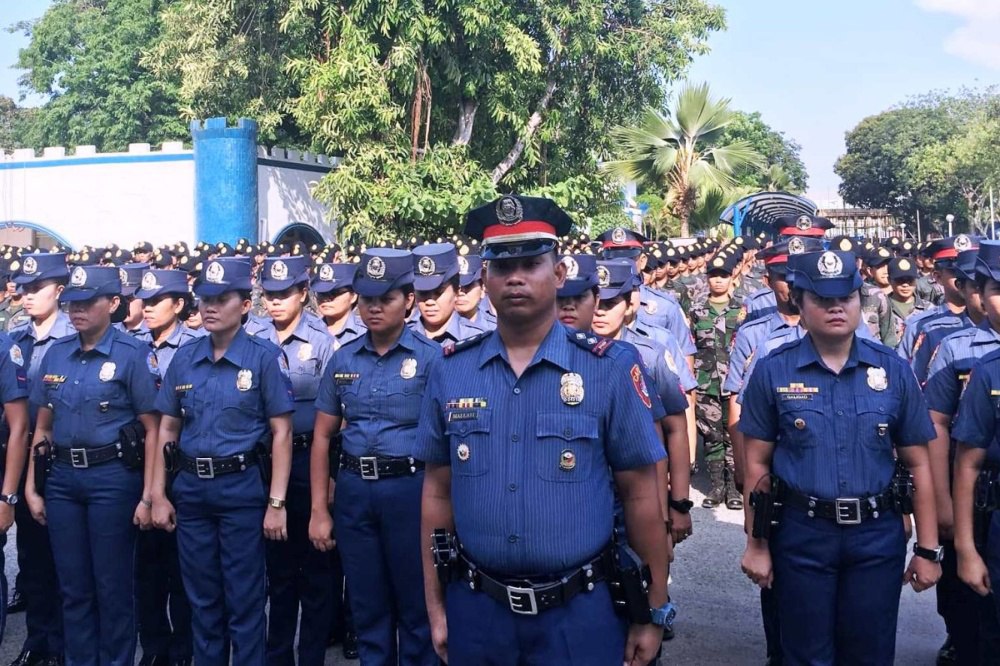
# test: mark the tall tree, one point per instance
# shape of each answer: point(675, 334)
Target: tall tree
point(681, 154)
point(83, 57)
point(774, 147)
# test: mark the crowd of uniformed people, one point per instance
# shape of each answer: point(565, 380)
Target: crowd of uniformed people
point(478, 449)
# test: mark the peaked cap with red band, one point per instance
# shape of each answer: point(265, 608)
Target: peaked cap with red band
point(948, 249)
point(802, 225)
point(517, 226)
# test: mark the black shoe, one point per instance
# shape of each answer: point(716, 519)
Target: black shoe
point(154, 660)
point(54, 661)
point(16, 603)
point(947, 655)
point(334, 638)
point(29, 658)
point(182, 661)
point(668, 633)
point(350, 646)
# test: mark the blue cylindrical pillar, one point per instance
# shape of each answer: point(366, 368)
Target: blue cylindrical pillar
point(225, 180)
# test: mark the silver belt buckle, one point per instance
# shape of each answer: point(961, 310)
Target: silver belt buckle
point(205, 468)
point(78, 458)
point(848, 511)
point(369, 468)
point(522, 600)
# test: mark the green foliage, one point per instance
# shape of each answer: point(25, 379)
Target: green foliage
point(15, 124)
point(84, 57)
point(776, 149)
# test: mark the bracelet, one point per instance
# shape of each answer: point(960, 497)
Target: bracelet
point(146, 503)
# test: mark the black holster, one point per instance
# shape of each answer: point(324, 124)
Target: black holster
point(986, 500)
point(133, 440)
point(444, 547)
point(766, 509)
point(263, 450)
point(902, 489)
point(629, 584)
point(42, 453)
point(336, 444)
point(171, 458)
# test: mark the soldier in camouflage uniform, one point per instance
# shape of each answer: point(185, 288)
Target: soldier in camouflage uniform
point(714, 321)
point(670, 282)
point(874, 303)
point(903, 301)
point(928, 287)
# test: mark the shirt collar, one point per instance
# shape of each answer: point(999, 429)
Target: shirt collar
point(234, 353)
point(554, 348)
point(859, 354)
point(405, 340)
point(103, 345)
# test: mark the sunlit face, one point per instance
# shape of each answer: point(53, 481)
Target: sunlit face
point(990, 296)
point(386, 313)
point(467, 300)
point(223, 313)
point(92, 315)
point(336, 304)
point(880, 275)
point(609, 317)
point(437, 305)
point(719, 283)
point(830, 317)
point(577, 311)
point(41, 299)
point(523, 289)
point(903, 288)
point(284, 306)
point(161, 311)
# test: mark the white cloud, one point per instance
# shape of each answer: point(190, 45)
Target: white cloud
point(976, 40)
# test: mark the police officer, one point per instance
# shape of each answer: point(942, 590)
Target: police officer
point(93, 387)
point(570, 411)
point(840, 546)
point(164, 612)
point(42, 277)
point(904, 300)
point(221, 397)
point(436, 284)
point(336, 300)
point(375, 383)
point(470, 290)
point(129, 316)
point(298, 574)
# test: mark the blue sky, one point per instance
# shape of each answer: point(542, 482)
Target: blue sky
point(813, 68)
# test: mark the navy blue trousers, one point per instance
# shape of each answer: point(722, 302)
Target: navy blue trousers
point(164, 613)
point(993, 558)
point(584, 632)
point(220, 540)
point(377, 525)
point(89, 514)
point(298, 575)
point(837, 589)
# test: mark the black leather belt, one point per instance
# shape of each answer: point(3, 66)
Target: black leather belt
point(302, 440)
point(529, 597)
point(209, 468)
point(82, 458)
point(844, 510)
point(373, 468)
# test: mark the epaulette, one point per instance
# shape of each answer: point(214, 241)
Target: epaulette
point(453, 347)
point(595, 344)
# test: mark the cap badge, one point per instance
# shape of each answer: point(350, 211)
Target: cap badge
point(408, 370)
point(215, 273)
point(509, 211)
point(603, 277)
point(845, 245)
point(107, 372)
point(123, 275)
point(244, 379)
point(572, 268)
point(375, 268)
point(803, 223)
point(718, 262)
point(571, 389)
point(326, 273)
point(279, 270)
point(30, 266)
point(877, 379)
point(463, 265)
point(904, 265)
point(149, 281)
point(567, 460)
point(618, 235)
point(962, 243)
point(830, 265)
point(796, 246)
point(426, 266)
point(79, 277)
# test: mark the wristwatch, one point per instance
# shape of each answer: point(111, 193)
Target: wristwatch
point(664, 615)
point(11, 499)
point(680, 506)
point(932, 554)
point(275, 503)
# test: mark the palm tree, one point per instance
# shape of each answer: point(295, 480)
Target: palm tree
point(778, 180)
point(677, 153)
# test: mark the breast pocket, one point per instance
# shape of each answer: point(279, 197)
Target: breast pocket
point(404, 396)
point(801, 422)
point(241, 411)
point(876, 417)
point(188, 407)
point(105, 403)
point(469, 442)
point(567, 446)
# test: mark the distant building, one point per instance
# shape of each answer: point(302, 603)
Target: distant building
point(862, 222)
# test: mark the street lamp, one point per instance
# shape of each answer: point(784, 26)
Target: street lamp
point(949, 218)
point(902, 230)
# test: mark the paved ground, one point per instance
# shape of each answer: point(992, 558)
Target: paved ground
point(719, 621)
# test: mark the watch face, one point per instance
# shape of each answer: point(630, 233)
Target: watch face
point(11, 499)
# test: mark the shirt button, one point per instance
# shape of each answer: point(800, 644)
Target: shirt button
point(514, 438)
point(512, 487)
point(567, 432)
point(84, 362)
point(512, 538)
point(840, 412)
point(76, 381)
point(374, 390)
point(517, 391)
point(379, 364)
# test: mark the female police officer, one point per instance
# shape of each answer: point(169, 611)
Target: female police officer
point(376, 383)
point(92, 386)
point(824, 415)
point(222, 395)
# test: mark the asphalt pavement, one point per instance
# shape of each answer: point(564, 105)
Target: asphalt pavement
point(718, 610)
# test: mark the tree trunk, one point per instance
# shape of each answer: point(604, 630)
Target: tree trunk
point(515, 153)
point(466, 119)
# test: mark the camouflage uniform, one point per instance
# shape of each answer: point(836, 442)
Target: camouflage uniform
point(16, 316)
point(929, 289)
point(679, 292)
point(898, 313)
point(875, 312)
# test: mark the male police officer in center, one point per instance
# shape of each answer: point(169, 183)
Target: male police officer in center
point(523, 430)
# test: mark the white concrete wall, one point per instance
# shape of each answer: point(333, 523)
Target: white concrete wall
point(285, 181)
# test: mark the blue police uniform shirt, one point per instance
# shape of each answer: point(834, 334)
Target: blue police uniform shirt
point(13, 371)
point(679, 360)
point(953, 361)
point(378, 396)
point(93, 394)
point(658, 363)
point(255, 324)
point(139, 331)
point(307, 351)
point(978, 421)
point(935, 331)
point(914, 325)
point(353, 329)
point(657, 310)
point(225, 405)
point(459, 328)
point(531, 482)
point(834, 435)
point(164, 354)
point(749, 337)
point(759, 304)
point(486, 317)
point(34, 348)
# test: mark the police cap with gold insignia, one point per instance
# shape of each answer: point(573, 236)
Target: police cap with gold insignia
point(156, 282)
point(902, 268)
point(723, 263)
point(470, 269)
point(223, 274)
point(877, 257)
point(131, 277)
point(433, 265)
point(828, 274)
point(843, 244)
point(517, 226)
point(380, 270)
point(615, 277)
point(332, 277)
point(280, 273)
point(38, 266)
point(581, 274)
point(802, 225)
point(87, 282)
point(621, 242)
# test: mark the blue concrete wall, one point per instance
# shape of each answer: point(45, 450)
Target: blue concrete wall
point(225, 173)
